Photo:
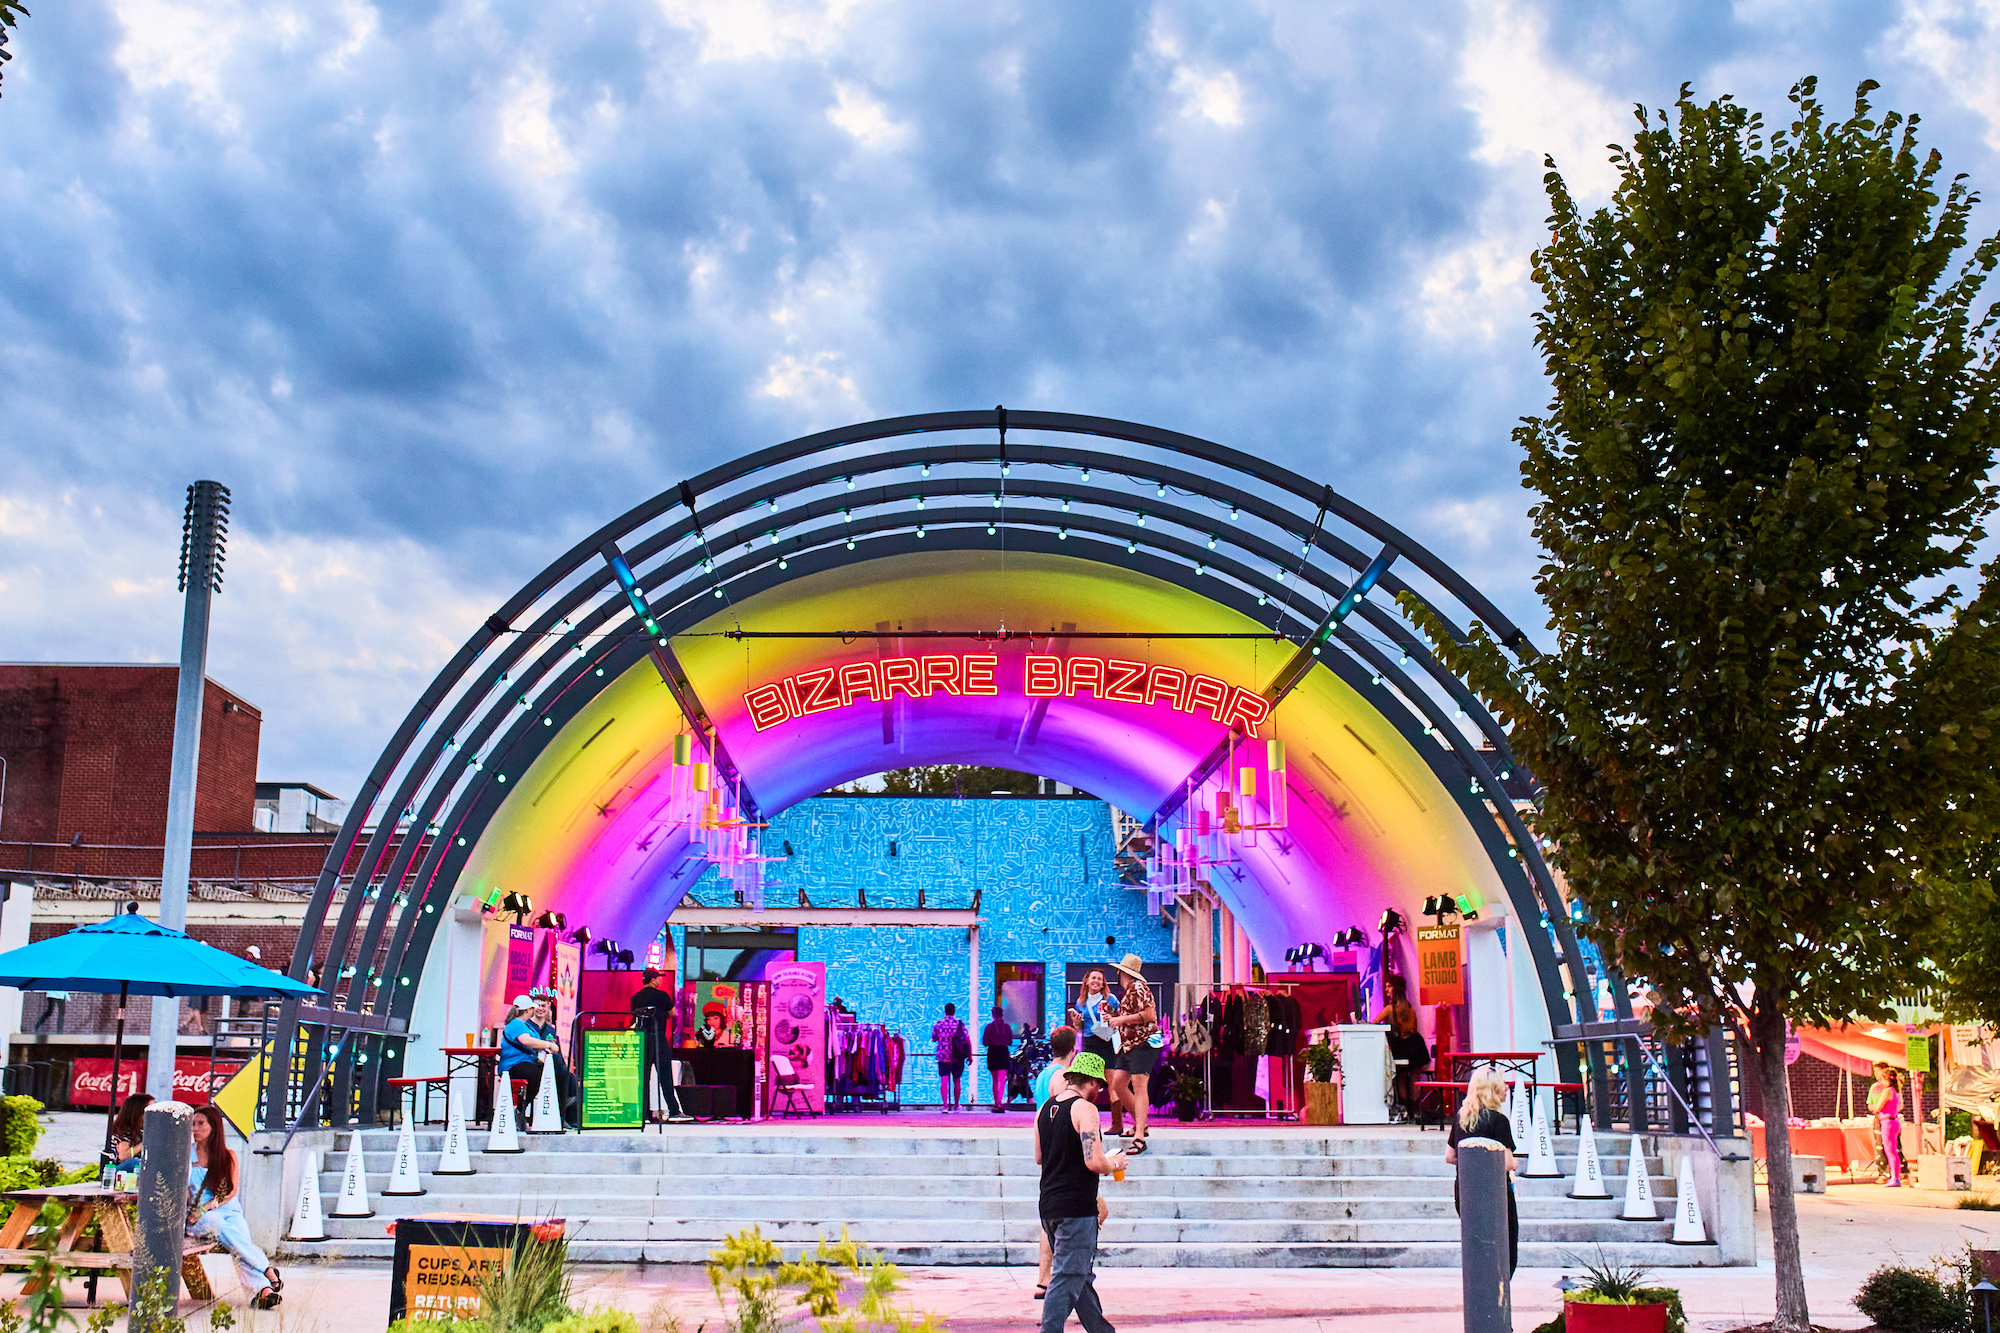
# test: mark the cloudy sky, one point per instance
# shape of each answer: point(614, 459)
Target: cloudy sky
point(435, 286)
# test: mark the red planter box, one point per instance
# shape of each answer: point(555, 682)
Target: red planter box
point(1590, 1317)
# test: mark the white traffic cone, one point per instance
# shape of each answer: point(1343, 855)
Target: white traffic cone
point(404, 1182)
point(502, 1135)
point(1517, 1113)
point(1688, 1229)
point(456, 1159)
point(1541, 1145)
point(547, 1115)
point(1639, 1206)
point(353, 1200)
point(1589, 1180)
point(307, 1223)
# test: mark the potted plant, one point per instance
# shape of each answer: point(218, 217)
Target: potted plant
point(1614, 1299)
point(1187, 1092)
point(1322, 1060)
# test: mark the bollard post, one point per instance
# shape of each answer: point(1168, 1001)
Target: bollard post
point(163, 1199)
point(1482, 1230)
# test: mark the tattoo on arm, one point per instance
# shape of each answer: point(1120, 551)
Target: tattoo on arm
point(1093, 1150)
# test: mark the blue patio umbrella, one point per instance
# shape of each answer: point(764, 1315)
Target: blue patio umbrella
point(133, 956)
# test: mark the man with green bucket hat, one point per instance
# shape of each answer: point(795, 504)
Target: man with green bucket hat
point(1069, 1147)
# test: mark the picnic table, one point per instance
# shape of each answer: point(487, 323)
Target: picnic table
point(110, 1209)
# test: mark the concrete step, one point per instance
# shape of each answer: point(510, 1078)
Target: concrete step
point(1417, 1254)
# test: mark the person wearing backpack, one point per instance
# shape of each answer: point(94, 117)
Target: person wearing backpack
point(952, 1044)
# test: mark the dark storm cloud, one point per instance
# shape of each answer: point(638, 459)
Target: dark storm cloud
point(463, 279)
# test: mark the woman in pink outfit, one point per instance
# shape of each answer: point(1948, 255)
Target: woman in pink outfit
point(1885, 1103)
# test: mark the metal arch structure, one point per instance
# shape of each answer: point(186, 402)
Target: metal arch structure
point(1293, 555)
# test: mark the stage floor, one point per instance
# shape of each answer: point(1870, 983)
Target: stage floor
point(935, 1123)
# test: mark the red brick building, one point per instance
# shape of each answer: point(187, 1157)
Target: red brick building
point(88, 750)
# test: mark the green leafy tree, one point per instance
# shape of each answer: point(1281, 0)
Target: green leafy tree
point(1964, 942)
point(8, 9)
point(958, 780)
point(1766, 717)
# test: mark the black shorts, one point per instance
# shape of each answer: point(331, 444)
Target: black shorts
point(998, 1062)
point(1101, 1047)
point(951, 1069)
point(1139, 1060)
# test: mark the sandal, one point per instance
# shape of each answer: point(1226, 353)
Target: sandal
point(266, 1299)
point(277, 1282)
point(1136, 1146)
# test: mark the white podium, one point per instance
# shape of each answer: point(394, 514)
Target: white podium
point(1365, 1073)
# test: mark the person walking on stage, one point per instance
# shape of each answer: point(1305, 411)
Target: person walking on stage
point(1092, 1018)
point(1069, 1148)
point(653, 1012)
point(952, 1045)
point(998, 1039)
point(1137, 1022)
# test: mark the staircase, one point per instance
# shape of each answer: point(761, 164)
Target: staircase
point(1220, 1197)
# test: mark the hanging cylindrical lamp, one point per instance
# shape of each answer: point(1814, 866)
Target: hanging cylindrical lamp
point(701, 776)
point(683, 750)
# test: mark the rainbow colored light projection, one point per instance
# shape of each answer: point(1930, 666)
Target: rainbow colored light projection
point(1370, 825)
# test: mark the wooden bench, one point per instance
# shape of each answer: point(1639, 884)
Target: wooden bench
point(111, 1211)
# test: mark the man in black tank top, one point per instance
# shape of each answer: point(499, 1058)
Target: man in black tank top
point(1069, 1147)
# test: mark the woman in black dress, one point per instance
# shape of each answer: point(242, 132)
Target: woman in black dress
point(1481, 1118)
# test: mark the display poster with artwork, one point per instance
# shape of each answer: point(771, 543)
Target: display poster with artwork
point(568, 965)
point(496, 947)
point(756, 1005)
point(719, 1013)
point(798, 1024)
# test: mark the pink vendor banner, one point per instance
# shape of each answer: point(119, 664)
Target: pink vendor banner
point(798, 1024)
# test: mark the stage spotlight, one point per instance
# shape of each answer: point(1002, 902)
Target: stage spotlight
point(1392, 921)
point(551, 921)
point(625, 958)
point(581, 935)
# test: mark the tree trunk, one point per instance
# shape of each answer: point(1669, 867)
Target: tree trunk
point(1767, 1037)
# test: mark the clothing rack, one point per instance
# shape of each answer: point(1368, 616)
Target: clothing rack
point(1189, 996)
point(874, 1080)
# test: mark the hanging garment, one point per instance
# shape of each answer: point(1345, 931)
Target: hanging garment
point(1229, 1036)
point(1256, 1022)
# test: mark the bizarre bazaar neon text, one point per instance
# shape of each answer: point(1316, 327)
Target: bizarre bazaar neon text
point(1043, 677)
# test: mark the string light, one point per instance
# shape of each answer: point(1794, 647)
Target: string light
point(920, 530)
point(1065, 506)
point(1211, 541)
point(1142, 518)
point(1232, 513)
point(1162, 492)
point(1086, 474)
point(850, 483)
point(1062, 534)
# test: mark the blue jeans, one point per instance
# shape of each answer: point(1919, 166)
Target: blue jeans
point(1073, 1244)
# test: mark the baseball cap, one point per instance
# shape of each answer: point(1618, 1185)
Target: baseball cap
point(650, 974)
point(1088, 1065)
point(524, 1002)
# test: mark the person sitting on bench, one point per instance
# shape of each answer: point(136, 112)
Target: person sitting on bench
point(214, 1213)
point(521, 1045)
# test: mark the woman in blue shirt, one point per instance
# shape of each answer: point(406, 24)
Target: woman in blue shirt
point(522, 1042)
point(215, 1214)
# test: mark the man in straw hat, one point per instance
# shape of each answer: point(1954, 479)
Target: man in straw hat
point(1069, 1147)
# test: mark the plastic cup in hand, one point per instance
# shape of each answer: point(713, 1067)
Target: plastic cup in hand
point(1118, 1172)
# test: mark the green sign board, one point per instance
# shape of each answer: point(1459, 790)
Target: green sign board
point(609, 1075)
point(1917, 1053)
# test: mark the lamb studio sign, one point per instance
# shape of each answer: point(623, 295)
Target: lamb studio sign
point(1041, 677)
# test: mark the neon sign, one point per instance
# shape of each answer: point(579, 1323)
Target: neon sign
point(1112, 679)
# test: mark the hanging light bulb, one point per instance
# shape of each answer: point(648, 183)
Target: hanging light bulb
point(920, 529)
point(850, 483)
point(1211, 541)
point(1232, 513)
point(1062, 534)
point(996, 502)
point(920, 502)
point(927, 470)
point(1131, 548)
point(1162, 490)
point(1142, 518)
point(1086, 474)
point(1065, 506)
point(990, 529)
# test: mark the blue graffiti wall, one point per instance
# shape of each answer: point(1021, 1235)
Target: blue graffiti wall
point(1048, 890)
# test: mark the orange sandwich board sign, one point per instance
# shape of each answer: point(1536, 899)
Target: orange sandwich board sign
point(1440, 977)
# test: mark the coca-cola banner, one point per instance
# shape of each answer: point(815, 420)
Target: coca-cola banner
point(90, 1080)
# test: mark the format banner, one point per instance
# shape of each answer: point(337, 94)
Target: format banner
point(1440, 977)
point(798, 1024)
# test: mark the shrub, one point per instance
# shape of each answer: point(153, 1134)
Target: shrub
point(19, 1127)
point(1907, 1300)
point(603, 1319)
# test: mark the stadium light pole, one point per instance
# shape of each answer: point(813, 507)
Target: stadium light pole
point(204, 530)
